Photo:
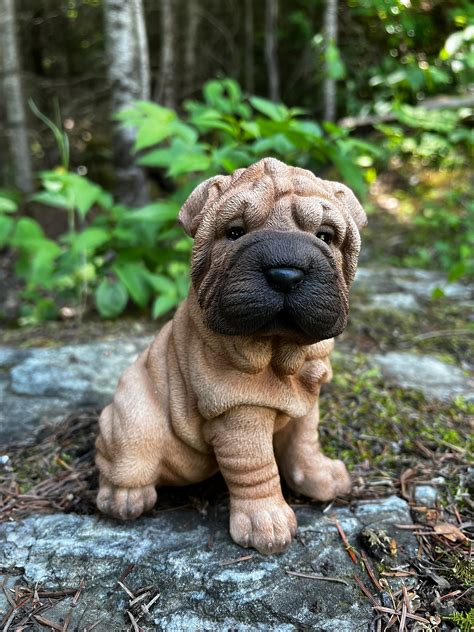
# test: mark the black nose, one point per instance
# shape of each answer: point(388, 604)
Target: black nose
point(283, 279)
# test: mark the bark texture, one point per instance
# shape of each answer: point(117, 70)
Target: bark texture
point(126, 79)
point(271, 19)
point(143, 53)
point(249, 45)
point(330, 34)
point(14, 99)
point(166, 86)
point(190, 46)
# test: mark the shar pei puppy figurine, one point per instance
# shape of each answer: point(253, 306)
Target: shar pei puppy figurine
point(231, 383)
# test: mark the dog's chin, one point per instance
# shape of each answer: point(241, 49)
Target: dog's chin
point(283, 324)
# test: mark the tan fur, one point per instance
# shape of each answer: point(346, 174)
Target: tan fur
point(196, 401)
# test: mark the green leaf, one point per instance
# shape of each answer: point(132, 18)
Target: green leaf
point(310, 129)
point(274, 111)
point(85, 193)
point(452, 45)
point(7, 205)
point(134, 276)
point(334, 64)
point(111, 298)
point(179, 158)
point(42, 264)
point(279, 144)
point(350, 172)
point(189, 163)
point(457, 271)
point(444, 121)
point(90, 239)
point(151, 133)
point(50, 198)
point(157, 213)
point(6, 228)
point(26, 231)
point(162, 284)
point(437, 293)
point(211, 119)
point(163, 304)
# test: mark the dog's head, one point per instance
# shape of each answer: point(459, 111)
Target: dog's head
point(275, 251)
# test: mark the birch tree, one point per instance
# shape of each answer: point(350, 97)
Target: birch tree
point(165, 85)
point(190, 44)
point(128, 74)
point(143, 52)
point(271, 19)
point(14, 99)
point(330, 37)
point(249, 45)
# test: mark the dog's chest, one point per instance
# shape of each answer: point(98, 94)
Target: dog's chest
point(221, 387)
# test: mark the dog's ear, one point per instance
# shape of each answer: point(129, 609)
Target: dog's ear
point(190, 214)
point(350, 204)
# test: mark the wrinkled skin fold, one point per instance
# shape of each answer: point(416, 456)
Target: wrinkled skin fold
point(232, 382)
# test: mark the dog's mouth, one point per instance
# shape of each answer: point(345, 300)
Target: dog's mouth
point(285, 320)
point(286, 324)
point(282, 322)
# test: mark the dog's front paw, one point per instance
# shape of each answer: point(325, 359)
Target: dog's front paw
point(267, 524)
point(320, 478)
point(125, 503)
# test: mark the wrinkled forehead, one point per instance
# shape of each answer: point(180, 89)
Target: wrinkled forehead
point(279, 204)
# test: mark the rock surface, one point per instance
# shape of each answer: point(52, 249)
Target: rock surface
point(419, 284)
point(435, 379)
point(191, 561)
point(44, 384)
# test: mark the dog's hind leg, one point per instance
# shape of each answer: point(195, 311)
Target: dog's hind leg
point(305, 468)
point(129, 445)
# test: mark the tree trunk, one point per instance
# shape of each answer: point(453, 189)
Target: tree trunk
point(14, 99)
point(271, 19)
point(190, 46)
point(142, 48)
point(249, 44)
point(165, 84)
point(126, 86)
point(330, 36)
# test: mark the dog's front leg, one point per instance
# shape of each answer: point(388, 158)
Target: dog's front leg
point(305, 468)
point(242, 440)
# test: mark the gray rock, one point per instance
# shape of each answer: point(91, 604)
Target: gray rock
point(9, 356)
point(435, 379)
point(425, 495)
point(418, 283)
point(202, 587)
point(395, 301)
point(45, 384)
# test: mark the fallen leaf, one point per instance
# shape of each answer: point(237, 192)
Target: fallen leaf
point(450, 532)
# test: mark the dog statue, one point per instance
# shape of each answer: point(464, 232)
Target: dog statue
point(232, 382)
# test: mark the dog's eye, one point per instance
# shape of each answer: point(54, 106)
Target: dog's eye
point(325, 235)
point(234, 232)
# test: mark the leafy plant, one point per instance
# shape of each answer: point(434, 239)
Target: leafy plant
point(226, 131)
point(464, 620)
point(113, 256)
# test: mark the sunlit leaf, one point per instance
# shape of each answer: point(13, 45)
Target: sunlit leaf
point(163, 304)
point(274, 111)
